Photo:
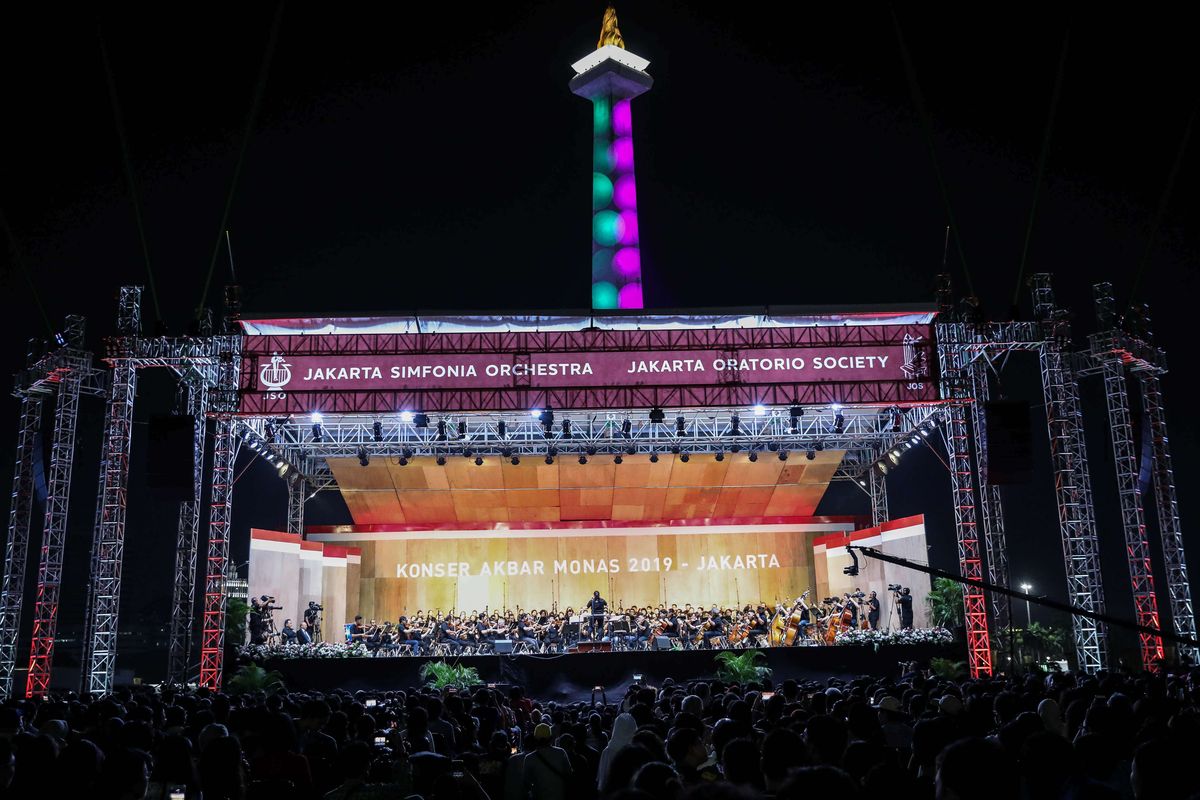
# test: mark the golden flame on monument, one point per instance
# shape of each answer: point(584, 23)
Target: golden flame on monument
point(609, 32)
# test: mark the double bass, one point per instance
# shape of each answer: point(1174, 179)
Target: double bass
point(795, 617)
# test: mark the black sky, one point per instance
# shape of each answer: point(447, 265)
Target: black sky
point(435, 159)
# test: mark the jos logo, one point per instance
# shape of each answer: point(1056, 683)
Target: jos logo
point(275, 376)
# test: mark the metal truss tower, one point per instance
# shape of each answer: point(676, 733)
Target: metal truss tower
point(16, 548)
point(54, 538)
point(877, 490)
point(1107, 353)
point(955, 384)
point(992, 512)
point(1178, 588)
point(1072, 479)
point(110, 537)
point(225, 446)
point(183, 599)
point(296, 498)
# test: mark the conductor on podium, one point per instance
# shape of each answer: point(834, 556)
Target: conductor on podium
point(596, 607)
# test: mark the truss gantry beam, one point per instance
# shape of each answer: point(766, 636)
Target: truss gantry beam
point(299, 446)
point(955, 386)
point(16, 547)
point(1072, 479)
point(877, 491)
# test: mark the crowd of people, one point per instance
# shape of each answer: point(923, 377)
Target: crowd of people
point(1033, 737)
point(627, 628)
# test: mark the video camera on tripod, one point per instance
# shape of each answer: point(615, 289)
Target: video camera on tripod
point(261, 623)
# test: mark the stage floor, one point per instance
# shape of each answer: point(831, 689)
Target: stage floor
point(571, 676)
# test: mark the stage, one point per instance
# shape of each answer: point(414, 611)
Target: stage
point(571, 676)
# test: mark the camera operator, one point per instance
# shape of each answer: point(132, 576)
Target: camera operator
point(904, 602)
point(266, 625)
point(312, 618)
point(873, 611)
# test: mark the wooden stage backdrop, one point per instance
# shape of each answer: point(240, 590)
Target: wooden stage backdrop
point(402, 571)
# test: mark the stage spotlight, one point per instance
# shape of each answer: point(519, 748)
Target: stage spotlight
point(719, 456)
point(759, 410)
point(462, 429)
point(883, 469)
point(835, 407)
point(654, 458)
point(675, 449)
point(631, 449)
point(839, 423)
point(479, 461)
point(377, 431)
point(753, 456)
point(363, 458)
point(468, 452)
point(549, 459)
point(402, 461)
point(566, 429)
point(772, 446)
point(505, 452)
point(735, 426)
point(915, 440)
point(735, 448)
point(894, 457)
point(316, 431)
point(441, 430)
point(680, 426)
point(810, 454)
point(626, 428)
point(501, 429)
point(783, 455)
point(591, 451)
point(406, 417)
point(546, 417)
point(617, 459)
point(282, 468)
point(514, 460)
point(862, 482)
point(819, 446)
point(536, 413)
point(317, 418)
point(684, 458)
point(441, 461)
point(552, 451)
point(657, 415)
point(406, 453)
point(582, 458)
point(796, 411)
point(420, 420)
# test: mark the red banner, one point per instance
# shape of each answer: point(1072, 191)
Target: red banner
point(292, 373)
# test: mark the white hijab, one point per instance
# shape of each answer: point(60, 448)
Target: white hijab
point(624, 727)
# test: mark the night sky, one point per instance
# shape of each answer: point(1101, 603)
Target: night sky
point(435, 160)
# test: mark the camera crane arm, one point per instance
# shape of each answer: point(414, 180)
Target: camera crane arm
point(871, 552)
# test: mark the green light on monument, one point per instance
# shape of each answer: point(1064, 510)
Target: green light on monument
point(601, 115)
point(602, 191)
point(607, 228)
point(604, 295)
point(602, 160)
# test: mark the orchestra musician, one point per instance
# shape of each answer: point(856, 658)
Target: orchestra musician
point(526, 633)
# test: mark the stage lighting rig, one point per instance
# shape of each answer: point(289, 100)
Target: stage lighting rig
point(654, 458)
point(419, 420)
point(783, 455)
point(753, 456)
point(680, 426)
point(377, 431)
point(582, 458)
point(684, 458)
point(501, 429)
point(735, 426)
point(657, 415)
point(617, 459)
point(810, 454)
point(407, 417)
point(441, 430)
point(720, 456)
point(441, 461)
point(363, 458)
